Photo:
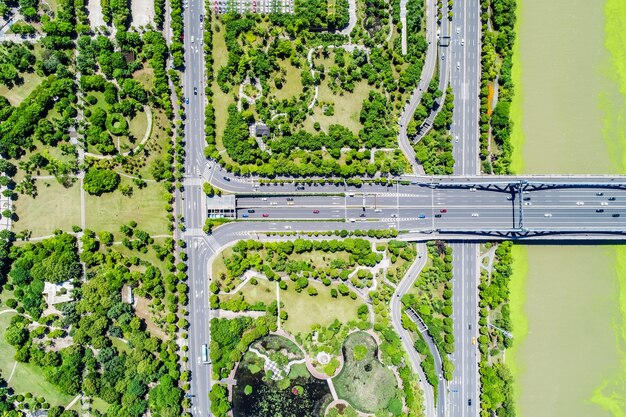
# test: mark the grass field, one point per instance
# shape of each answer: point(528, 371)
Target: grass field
point(138, 126)
point(27, 377)
point(367, 391)
point(221, 102)
point(18, 93)
point(220, 51)
point(264, 291)
point(347, 106)
point(150, 256)
point(153, 149)
point(292, 87)
point(145, 76)
point(55, 207)
point(145, 206)
point(305, 310)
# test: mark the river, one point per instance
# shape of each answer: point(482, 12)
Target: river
point(569, 302)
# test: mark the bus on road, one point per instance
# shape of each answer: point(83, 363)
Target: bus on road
point(205, 353)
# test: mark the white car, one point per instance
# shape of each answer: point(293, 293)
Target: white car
point(528, 203)
point(604, 203)
point(378, 210)
point(456, 139)
point(458, 29)
point(580, 203)
point(264, 199)
point(474, 214)
point(547, 215)
point(274, 203)
point(458, 65)
point(462, 42)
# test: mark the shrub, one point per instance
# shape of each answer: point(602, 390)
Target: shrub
point(99, 181)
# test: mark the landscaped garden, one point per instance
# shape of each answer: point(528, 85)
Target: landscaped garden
point(298, 394)
point(321, 93)
point(364, 382)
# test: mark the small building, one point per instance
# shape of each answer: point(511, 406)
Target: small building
point(261, 130)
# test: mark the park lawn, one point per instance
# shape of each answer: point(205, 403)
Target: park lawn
point(101, 103)
point(55, 207)
point(154, 148)
point(221, 101)
point(347, 106)
point(120, 345)
point(18, 93)
point(145, 76)
point(137, 128)
point(367, 391)
point(292, 85)
point(264, 291)
point(27, 377)
point(150, 256)
point(145, 206)
point(220, 50)
point(305, 310)
point(218, 268)
point(99, 404)
point(317, 258)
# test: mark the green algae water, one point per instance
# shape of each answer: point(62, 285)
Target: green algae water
point(568, 303)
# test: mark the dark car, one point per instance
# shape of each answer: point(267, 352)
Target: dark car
point(187, 100)
point(443, 211)
point(250, 211)
point(611, 199)
point(437, 215)
point(289, 199)
point(422, 216)
point(362, 215)
point(526, 198)
point(201, 18)
point(226, 179)
point(600, 194)
point(616, 215)
point(599, 210)
point(469, 401)
point(195, 90)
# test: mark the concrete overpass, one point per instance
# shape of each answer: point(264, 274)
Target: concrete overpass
point(458, 208)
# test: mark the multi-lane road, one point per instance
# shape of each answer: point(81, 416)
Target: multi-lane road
point(465, 81)
point(463, 209)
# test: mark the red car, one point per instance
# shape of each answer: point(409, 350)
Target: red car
point(316, 211)
point(443, 211)
point(265, 215)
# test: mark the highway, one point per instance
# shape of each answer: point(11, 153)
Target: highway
point(465, 81)
point(449, 208)
point(193, 201)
